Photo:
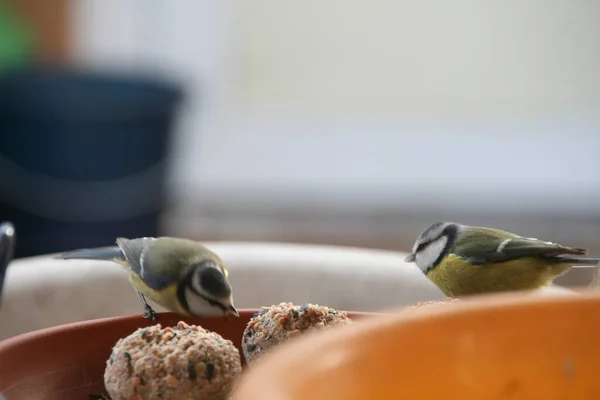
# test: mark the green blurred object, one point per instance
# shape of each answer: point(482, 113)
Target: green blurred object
point(16, 40)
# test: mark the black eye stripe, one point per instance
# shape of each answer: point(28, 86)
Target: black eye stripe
point(430, 241)
point(208, 300)
point(422, 246)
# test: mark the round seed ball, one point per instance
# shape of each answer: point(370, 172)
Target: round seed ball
point(432, 303)
point(279, 323)
point(183, 362)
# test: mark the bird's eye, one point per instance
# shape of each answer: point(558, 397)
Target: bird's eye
point(422, 246)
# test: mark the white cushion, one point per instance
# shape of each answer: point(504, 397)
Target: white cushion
point(41, 291)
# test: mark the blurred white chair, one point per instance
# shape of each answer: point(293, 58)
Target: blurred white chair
point(42, 292)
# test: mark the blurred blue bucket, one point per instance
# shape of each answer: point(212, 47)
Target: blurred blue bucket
point(83, 157)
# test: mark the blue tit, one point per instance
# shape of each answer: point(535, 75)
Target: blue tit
point(468, 260)
point(179, 274)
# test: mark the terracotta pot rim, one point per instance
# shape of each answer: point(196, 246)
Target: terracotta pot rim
point(77, 325)
point(92, 323)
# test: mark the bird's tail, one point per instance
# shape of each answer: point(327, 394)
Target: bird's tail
point(579, 262)
point(112, 253)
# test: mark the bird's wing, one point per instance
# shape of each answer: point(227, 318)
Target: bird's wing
point(153, 273)
point(491, 245)
point(159, 262)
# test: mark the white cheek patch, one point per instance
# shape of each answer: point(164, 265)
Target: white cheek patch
point(426, 257)
point(199, 306)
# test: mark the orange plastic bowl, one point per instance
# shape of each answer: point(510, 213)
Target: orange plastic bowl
point(502, 347)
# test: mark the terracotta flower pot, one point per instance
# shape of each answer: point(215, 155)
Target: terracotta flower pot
point(501, 347)
point(68, 361)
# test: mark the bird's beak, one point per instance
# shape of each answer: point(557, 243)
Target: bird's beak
point(233, 311)
point(410, 258)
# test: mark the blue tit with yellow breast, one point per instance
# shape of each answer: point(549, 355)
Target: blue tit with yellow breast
point(467, 260)
point(181, 275)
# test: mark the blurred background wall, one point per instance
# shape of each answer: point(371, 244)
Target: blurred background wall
point(360, 123)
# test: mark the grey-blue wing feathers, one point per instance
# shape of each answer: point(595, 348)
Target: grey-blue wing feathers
point(162, 261)
point(133, 250)
point(112, 253)
point(486, 245)
point(578, 261)
point(155, 274)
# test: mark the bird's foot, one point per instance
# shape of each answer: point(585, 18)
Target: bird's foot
point(149, 313)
